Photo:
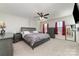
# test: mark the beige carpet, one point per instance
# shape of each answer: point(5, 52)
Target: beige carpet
point(54, 47)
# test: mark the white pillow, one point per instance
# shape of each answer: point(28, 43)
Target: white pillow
point(35, 31)
point(26, 32)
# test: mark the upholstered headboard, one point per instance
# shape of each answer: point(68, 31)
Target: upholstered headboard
point(27, 29)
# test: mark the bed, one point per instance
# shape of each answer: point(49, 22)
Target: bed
point(34, 39)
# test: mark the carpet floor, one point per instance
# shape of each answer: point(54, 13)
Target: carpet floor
point(54, 47)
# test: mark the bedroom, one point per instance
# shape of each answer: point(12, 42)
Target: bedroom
point(17, 17)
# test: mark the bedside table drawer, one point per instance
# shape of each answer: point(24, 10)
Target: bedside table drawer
point(17, 37)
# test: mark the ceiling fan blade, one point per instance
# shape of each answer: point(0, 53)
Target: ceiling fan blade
point(46, 17)
point(39, 14)
point(46, 14)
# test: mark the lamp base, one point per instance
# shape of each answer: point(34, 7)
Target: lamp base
point(2, 32)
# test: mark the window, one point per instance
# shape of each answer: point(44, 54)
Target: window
point(59, 24)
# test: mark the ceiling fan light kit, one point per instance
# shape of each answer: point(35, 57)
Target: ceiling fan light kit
point(42, 19)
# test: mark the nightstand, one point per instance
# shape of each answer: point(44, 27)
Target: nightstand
point(17, 37)
point(6, 47)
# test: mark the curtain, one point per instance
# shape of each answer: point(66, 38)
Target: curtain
point(63, 28)
point(56, 28)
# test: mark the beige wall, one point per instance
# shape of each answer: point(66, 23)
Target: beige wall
point(13, 23)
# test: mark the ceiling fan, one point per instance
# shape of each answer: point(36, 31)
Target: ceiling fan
point(42, 15)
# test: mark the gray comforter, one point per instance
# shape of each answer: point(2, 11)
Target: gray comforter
point(35, 37)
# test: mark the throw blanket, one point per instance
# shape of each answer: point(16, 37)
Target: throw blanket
point(35, 37)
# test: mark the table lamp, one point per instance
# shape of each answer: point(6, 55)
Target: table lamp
point(2, 26)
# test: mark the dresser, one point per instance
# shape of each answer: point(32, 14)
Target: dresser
point(6, 47)
point(51, 32)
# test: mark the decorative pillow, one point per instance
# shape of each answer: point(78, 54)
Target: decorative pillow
point(24, 33)
point(35, 31)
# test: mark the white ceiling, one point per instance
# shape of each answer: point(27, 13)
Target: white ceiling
point(29, 9)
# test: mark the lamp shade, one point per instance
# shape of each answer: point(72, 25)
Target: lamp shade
point(2, 24)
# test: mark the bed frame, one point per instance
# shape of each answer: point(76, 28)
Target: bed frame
point(37, 43)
